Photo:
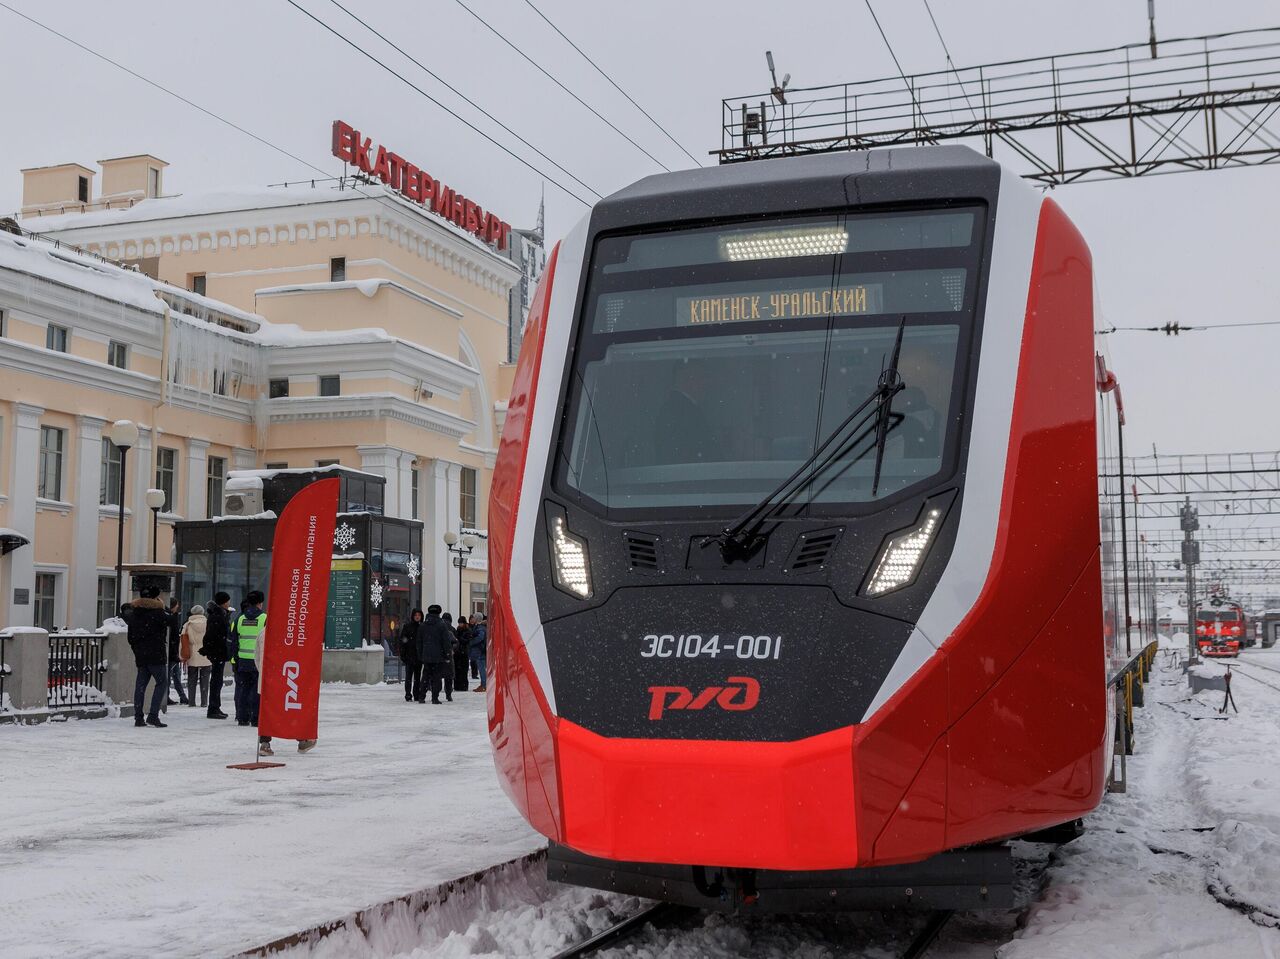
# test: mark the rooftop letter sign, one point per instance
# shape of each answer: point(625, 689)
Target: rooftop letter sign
point(375, 160)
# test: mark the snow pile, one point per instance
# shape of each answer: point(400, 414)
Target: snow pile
point(113, 624)
point(265, 514)
point(1247, 871)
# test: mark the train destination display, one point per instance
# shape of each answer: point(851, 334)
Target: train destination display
point(781, 304)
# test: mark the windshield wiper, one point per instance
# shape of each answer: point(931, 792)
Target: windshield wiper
point(741, 539)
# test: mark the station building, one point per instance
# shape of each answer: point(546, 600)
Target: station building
point(328, 324)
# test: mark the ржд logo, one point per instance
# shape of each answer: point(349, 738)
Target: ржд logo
point(741, 694)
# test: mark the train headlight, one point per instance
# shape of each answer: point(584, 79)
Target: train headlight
point(570, 560)
point(901, 557)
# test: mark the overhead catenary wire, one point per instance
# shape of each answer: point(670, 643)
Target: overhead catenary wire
point(1173, 329)
point(609, 123)
point(901, 73)
point(613, 82)
point(467, 123)
point(950, 62)
point(447, 85)
point(205, 110)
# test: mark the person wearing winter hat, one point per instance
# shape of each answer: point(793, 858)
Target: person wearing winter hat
point(199, 666)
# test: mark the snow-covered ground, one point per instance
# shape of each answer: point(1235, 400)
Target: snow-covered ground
point(118, 841)
point(1176, 866)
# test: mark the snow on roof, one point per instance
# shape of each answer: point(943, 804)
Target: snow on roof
point(68, 268)
point(235, 201)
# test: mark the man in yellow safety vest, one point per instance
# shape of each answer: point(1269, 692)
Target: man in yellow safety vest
point(246, 634)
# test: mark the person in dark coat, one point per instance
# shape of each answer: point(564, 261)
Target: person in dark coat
point(216, 634)
point(463, 629)
point(175, 650)
point(479, 649)
point(148, 623)
point(435, 649)
point(449, 660)
point(415, 689)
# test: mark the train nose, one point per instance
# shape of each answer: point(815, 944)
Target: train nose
point(636, 800)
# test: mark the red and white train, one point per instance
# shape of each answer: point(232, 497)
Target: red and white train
point(1221, 629)
point(797, 586)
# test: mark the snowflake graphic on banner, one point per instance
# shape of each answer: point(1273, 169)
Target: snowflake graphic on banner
point(344, 537)
point(375, 593)
point(415, 568)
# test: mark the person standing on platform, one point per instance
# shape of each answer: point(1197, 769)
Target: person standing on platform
point(414, 688)
point(175, 651)
point(463, 629)
point(148, 625)
point(435, 649)
point(197, 663)
point(217, 632)
point(448, 662)
point(245, 635)
point(479, 648)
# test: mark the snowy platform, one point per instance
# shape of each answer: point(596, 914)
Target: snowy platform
point(118, 841)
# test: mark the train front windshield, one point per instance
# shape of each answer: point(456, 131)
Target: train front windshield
point(710, 363)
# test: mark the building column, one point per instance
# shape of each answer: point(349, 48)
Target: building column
point(22, 510)
point(435, 518)
point(83, 574)
point(388, 462)
point(243, 459)
point(141, 479)
point(197, 474)
point(453, 521)
point(406, 485)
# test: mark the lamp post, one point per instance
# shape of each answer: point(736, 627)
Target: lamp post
point(461, 550)
point(123, 434)
point(155, 503)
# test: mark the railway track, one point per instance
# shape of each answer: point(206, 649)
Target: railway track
point(666, 914)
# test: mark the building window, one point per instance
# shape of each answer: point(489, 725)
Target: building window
point(46, 600)
point(479, 598)
point(277, 466)
point(118, 354)
point(320, 464)
point(82, 189)
point(413, 492)
point(4, 325)
point(51, 445)
point(331, 386)
point(337, 269)
point(198, 283)
point(107, 605)
point(166, 474)
point(153, 181)
point(467, 506)
point(214, 483)
point(278, 388)
point(109, 475)
point(55, 338)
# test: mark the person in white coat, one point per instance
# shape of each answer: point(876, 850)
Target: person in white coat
point(198, 665)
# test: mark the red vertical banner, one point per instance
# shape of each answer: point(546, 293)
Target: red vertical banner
point(297, 604)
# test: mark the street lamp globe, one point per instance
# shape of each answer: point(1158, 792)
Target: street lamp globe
point(155, 499)
point(469, 541)
point(450, 538)
point(123, 433)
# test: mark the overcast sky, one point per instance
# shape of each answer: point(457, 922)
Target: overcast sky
point(1198, 248)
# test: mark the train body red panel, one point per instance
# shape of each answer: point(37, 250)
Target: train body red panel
point(795, 523)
